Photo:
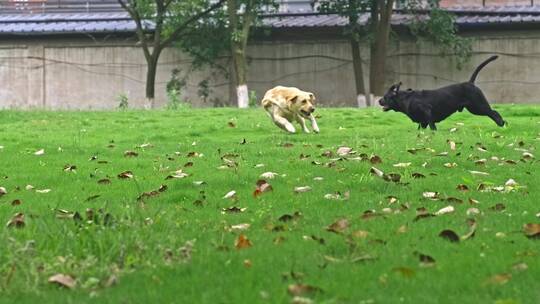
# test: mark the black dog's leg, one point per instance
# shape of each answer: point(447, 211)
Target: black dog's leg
point(432, 126)
point(422, 125)
point(480, 106)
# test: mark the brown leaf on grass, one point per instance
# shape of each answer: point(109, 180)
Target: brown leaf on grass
point(375, 159)
point(233, 209)
point(104, 181)
point(262, 186)
point(288, 217)
point(391, 177)
point(472, 201)
point(92, 197)
point(188, 164)
point(415, 150)
point(17, 221)
point(452, 144)
point(70, 168)
point(3, 191)
point(177, 174)
point(338, 196)
point(125, 175)
point(16, 202)
point(449, 235)
point(163, 188)
point(532, 230)
point(242, 242)
point(287, 145)
point(63, 280)
point(369, 214)
point(328, 154)
point(445, 210)
point(422, 213)
point(472, 229)
point(130, 153)
point(462, 187)
point(231, 124)
point(425, 260)
point(302, 289)
point(343, 151)
point(498, 279)
point(418, 175)
point(193, 154)
point(302, 189)
point(339, 226)
point(431, 195)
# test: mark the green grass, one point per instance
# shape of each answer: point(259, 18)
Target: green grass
point(141, 245)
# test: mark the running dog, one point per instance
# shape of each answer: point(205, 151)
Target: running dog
point(287, 104)
point(428, 107)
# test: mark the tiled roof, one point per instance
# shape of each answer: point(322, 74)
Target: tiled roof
point(119, 22)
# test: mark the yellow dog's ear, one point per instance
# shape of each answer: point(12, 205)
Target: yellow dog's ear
point(311, 97)
point(292, 98)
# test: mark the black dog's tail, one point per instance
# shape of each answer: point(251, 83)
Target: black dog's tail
point(481, 66)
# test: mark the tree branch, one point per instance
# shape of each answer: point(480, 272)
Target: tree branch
point(132, 11)
point(178, 31)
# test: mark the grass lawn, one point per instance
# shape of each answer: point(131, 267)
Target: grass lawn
point(123, 243)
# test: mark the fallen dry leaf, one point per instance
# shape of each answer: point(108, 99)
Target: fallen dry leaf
point(242, 242)
point(532, 231)
point(301, 289)
point(338, 226)
point(43, 190)
point(338, 196)
point(262, 186)
point(343, 151)
point(231, 194)
point(177, 174)
point(375, 159)
point(125, 175)
point(269, 175)
point(104, 181)
point(302, 189)
point(402, 165)
point(431, 195)
point(418, 175)
point(40, 152)
point(17, 221)
point(462, 187)
point(498, 279)
point(240, 227)
point(3, 191)
point(233, 209)
point(449, 235)
point(16, 202)
point(130, 154)
point(472, 230)
point(63, 280)
point(445, 210)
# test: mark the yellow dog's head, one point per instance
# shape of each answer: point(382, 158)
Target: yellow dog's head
point(302, 102)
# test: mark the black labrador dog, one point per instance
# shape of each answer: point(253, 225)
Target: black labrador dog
point(427, 107)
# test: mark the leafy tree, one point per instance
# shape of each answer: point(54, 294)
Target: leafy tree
point(438, 28)
point(172, 20)
point(240, 24)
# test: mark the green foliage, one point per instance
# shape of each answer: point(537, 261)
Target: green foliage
point(123, 103)
point(253, 100)
point(440, 29)
point(175, 86)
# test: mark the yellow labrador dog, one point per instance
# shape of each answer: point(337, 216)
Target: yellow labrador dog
point(287, 104)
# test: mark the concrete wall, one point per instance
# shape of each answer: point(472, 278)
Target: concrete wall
point(91, 74)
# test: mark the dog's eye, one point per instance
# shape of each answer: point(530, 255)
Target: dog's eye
point(304, 101)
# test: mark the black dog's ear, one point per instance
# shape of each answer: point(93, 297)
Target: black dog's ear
point(398, 86)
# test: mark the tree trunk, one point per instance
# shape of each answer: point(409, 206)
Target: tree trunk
point(379, 47)
point(240, 72)
point(152, 63)
point(361, 97)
